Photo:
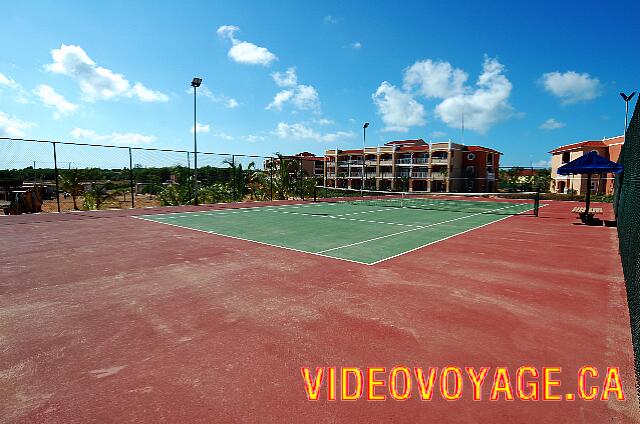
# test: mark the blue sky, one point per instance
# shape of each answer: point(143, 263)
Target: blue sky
point(293, 76)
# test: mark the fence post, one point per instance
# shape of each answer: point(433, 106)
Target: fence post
point(233, 177)
point(536, 206)
point(301, 178)
point(133, 202)
point(55, 168)
point(271, 163)
point(190, 177)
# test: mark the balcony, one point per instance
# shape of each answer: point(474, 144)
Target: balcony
point(371, 162)
point(420, 160)
point(420, 174)
point(404, 161)
point(439, 160)
point(355, 162)
point(386, 175)
point(343, 163)
point(370, 175)
point(331, 174)
point(386, 162)
point(331, 164)
point(438, 175)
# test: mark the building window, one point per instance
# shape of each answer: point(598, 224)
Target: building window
point(471, 156)
point(490, 157)
point(566, 157)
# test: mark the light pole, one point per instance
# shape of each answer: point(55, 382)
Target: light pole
point(364, 141)
point(195, 84)
point(626, 99)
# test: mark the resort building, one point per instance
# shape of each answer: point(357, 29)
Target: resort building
point(600, 184)
point(312, 165)
point(414, 165)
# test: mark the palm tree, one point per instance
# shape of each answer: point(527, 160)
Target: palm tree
point(283, 183)
point(71, 183)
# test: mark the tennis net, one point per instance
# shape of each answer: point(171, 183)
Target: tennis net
point(491, 203)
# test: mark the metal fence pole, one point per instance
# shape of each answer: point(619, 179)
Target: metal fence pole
point(190, 178)
point(301, 178)
point(133, 201)
point(55, 169)
point(233, 176)
point(271, 162)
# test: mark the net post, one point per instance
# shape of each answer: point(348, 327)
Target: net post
point(536, 202)
point(315, 193)
point(55, 169)
point(133, 201)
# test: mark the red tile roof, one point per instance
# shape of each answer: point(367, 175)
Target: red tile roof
point(482, 149)
point(573, 146)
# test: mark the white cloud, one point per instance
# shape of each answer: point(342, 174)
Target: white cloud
point(482, 106)
point(306, 97)
point(147, 95)
point(7, 82)
point(356, 45)
point(438, 134)
point(252, 138)
point(286, 79)
point(571, 87)
point(330, 20)
point(201, 128)
point(244, 51)
point(435, 79)
point(280, 99)
point(299, 131)
point(303, 97)
point(12, 127)
point(223, 135)
point(125, 139)
point(20, 95)
point(50, 98)
point(323, 121)
point(398, 109)
point(96, 82)
point(543, 163)
point(552, 124)
point(229, 102)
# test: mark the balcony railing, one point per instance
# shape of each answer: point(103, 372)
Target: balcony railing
point(355, 162)
point(386, 162)
point(439, 160)
point(420, 175)
point(404, 161)
point(420, 160)
point(438, 175)
point(386, 175)
point(371, 162)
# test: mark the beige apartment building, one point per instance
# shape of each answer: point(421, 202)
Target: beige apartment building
point(600, 183)
point(414, 165)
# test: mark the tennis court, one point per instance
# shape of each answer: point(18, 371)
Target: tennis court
point(367, 230)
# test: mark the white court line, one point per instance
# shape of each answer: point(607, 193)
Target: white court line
point(252, 241)
point(412, 229)
point(320, 253)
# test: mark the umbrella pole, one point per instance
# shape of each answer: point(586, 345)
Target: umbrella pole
point(588, 199)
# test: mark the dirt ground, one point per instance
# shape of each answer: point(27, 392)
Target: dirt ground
point(106, 318)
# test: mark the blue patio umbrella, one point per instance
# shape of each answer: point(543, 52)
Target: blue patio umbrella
point(591, 163)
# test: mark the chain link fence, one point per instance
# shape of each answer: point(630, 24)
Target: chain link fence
point(627, 205)
point(52, 176)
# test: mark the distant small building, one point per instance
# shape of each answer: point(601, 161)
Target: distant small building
point(600, 184)
point(312, 165)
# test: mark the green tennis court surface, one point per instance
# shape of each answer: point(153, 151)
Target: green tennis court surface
point(360, 233)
